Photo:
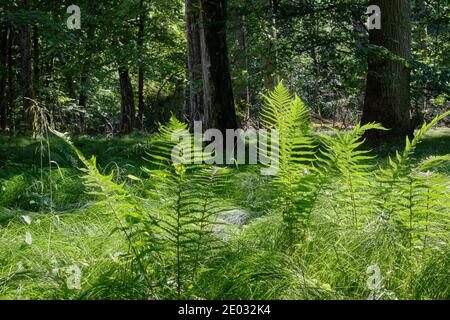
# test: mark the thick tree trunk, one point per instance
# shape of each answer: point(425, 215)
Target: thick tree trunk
point(270, 54)
point(219, 111)
point(127, 117)
point(196, 107)
point(241, 92)
point(387, 99)
point(26, 71)
point(4, 34)
point(141, 75)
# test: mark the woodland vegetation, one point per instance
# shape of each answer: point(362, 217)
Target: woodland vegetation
point(92, 205)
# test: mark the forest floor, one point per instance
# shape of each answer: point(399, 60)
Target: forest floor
point(50, 226)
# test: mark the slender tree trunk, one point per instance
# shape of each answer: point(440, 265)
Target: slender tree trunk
point(141, 100)
point(68, 76)
point(85, 77)
point(420, 11)
point(360, 33)
point(387, 99)
point(10, 77)
point(219, 111)
point(36, 62)
point(84, 83)
point(270, 54)
point(196, 106)
point(26, 71)
point(141, 75)
point(127, 118)
point(240, 57)
point(4, 34)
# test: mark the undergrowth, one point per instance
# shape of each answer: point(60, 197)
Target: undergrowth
point(335, 222)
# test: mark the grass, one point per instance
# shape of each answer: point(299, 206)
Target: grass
point(48, 225)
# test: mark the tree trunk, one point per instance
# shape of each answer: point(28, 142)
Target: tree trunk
point(127, 117)
point(196, 107)
point(84, 83)
point(10, 77)
point(141, 100)
point(36, 62)
point(240, 58)
point(219, 111)
point(387, 99)
point(26, 72)
point(68, 76)
point(4, 34)
point(85, 76)
point(420, 11)
point(141, 75)
point(270, 54)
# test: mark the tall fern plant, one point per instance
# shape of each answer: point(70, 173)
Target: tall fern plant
point(126, 209)
point(297, 180)
point(184, 195)
point(350, 169)
point(415, 196)
point(170, 225)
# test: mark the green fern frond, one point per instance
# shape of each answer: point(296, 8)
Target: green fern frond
point(350, 165)
point(415, 196)
point(297, 180)
point(184, 195)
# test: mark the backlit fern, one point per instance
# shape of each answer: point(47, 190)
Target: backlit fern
point(414, 195)
point(297, 180)
point(350, 170)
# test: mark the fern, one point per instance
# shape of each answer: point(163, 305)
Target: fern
point(125, 207)
point(170, 227)
point(350, 165)
point(413, 196)
point(184, 195)
point(297, 180)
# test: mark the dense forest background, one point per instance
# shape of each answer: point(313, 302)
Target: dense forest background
point(133, 63)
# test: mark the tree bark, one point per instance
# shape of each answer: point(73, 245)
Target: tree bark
point(127, 117)
point(196, 106)
point(420, 11)
point(4, 34)
point(219, 110)
point(270, 54)
point(68, 76)
point(84, 83)
point(387, 99)
point(141, 75)
point(240, 57)
point(36, 62)
point(10, 78)
point(83, 97)
point(26, 71)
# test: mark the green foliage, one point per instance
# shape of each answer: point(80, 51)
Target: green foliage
point(170, 226)
point(185, 199)
point(415, 196)
point(296, 178)
point(350, 167)
point(166, 230)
